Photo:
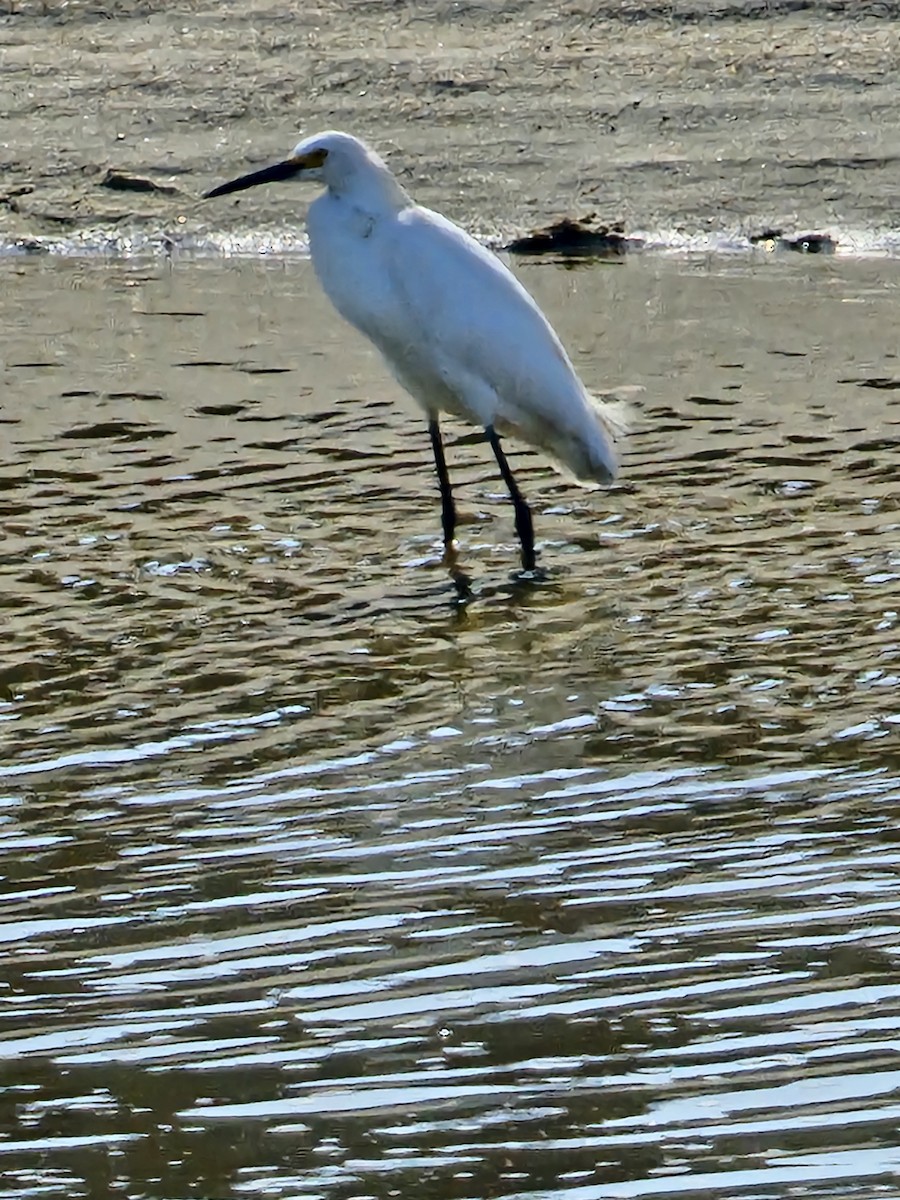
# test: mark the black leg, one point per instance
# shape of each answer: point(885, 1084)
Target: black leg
point(448, 508)
point(524, 524)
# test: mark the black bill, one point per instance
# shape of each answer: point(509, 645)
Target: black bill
point(278, 171)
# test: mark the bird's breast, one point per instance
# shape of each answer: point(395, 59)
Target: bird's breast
point(348, 254)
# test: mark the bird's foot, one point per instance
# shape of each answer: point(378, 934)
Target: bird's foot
point(463, 585)
point(531, 575)
point(461, 581)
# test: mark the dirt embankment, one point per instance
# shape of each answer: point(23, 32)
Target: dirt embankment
point(674, 116)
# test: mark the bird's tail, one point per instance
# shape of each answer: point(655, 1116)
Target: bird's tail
point(590, 454)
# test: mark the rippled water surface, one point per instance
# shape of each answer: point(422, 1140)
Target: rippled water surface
point(320, 881)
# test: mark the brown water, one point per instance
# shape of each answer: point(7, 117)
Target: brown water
point(318, 882)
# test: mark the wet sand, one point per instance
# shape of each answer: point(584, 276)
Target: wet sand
point(677, 119)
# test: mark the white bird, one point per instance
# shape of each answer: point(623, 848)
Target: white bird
point(458, 331)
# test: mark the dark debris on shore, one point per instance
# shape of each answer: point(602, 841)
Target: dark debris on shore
point(573, 237)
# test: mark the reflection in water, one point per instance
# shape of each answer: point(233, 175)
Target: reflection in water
point(319, 882)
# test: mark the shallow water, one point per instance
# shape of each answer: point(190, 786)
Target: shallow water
point(320, 882)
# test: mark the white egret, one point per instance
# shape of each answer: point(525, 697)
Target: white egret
point(456, 328)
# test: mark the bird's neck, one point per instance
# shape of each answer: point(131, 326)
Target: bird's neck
point(381, 195)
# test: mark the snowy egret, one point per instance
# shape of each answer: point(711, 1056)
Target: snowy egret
point(457, 329)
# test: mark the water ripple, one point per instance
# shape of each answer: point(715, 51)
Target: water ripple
point(318, 881)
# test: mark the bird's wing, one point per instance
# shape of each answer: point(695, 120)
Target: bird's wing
point(475, 343)
point(470, 315)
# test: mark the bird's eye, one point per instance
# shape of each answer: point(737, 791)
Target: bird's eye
point(314, 158)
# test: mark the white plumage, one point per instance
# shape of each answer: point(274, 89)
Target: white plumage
point(455, 326)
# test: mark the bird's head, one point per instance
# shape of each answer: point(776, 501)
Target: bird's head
point(339, 160)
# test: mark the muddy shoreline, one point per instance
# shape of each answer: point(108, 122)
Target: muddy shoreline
point(682, 119)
